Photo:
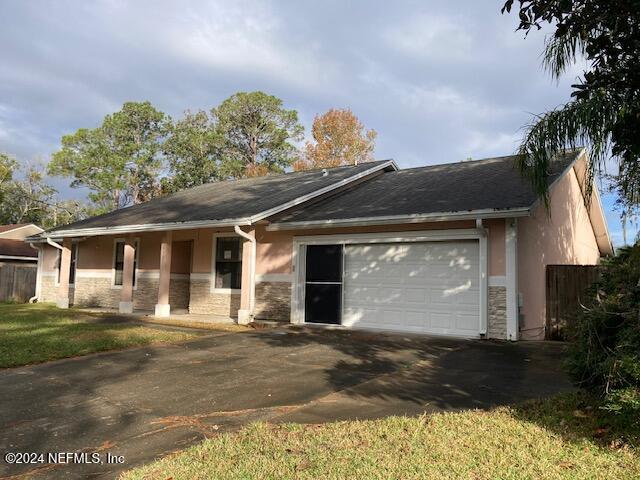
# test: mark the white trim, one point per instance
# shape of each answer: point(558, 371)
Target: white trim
point(391, 237)
point(200, 276)
point(396, 219)
point(136, 259)
point(274, 277)
point(147, 227)
point(94, 274)
point(212, 275)
point(37, 294)
point(227, 291)
point(498, 281)
point(149, 274)
point(17, 257)
point(20, 228)
point(484, 284)
point(300, 243)
point(229, 222)
point(511, 253)
point(48, 273)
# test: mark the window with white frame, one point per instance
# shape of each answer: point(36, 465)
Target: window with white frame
point(118, 262)
point(74, 263)
point(228, 263)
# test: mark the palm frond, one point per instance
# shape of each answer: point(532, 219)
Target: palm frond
point(560, 52)
point(580, 123)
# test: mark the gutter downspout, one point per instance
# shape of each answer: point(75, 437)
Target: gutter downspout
point(483, 245)
point(54, 244)
point(252, 269)
point(38, 273)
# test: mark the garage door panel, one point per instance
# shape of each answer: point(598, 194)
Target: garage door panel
point(417, 287)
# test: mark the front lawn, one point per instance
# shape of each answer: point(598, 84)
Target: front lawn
point(41, 332)
point(561, 437)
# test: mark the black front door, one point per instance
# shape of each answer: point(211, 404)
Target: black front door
point(323, 284)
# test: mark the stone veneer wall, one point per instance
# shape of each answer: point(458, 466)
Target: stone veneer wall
point(98, 292)
point(202, 300)
point(48, 289)
point(273, 301)
point(497, 321)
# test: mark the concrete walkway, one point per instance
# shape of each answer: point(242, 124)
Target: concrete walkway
point(147, 402)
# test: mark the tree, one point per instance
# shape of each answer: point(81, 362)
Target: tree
point(604, 112)
point(7, 168)
point(120, 160)
point(604, 356)
point(28, 198)
point(340, 139)
point(256, 134)
point(192, 149)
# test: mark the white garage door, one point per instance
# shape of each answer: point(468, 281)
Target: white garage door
point(415, 287)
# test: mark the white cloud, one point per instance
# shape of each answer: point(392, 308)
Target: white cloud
point(429, 36)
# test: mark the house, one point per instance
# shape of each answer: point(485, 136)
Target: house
point(18, 262)
point(13, 249)
point(456, 249)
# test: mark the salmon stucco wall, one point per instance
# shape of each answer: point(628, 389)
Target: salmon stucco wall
point(561, 236)
point(274, 249)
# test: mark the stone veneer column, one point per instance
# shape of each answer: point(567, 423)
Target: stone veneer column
point(163, 308)
point(62, 299)
point(126, 294)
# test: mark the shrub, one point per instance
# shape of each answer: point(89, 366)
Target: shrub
point(604, 356)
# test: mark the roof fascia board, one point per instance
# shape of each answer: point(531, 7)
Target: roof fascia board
point(20, 228)
point(322, 191)
point(150, 227)
point(594, 208)
point(18, 257)
point(400, 219)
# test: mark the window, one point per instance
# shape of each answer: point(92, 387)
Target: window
point(228, 266)
point(118, 262)
point(74, 263)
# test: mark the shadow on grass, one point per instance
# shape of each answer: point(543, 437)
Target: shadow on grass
point(38, 333)
point(578, 416)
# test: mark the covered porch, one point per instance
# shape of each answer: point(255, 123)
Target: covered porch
point(204, 273)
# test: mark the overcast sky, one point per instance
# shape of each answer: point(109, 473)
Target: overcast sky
point(439, 81)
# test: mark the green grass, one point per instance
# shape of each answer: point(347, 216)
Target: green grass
point(561, 437)
point(41, 332)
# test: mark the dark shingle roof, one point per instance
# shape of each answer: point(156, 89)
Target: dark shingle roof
point(233, 199)
point(491, 183)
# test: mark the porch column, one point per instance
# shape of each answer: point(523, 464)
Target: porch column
point(511, 250)
point(65, 269)
point(247, 292)
point(126, 294)
point(163, 309)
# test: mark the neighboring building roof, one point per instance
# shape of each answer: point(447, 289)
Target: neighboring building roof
point(19, 231)
point(16, 248)
point(491, 186)
point(235, 202)
point(5, 228)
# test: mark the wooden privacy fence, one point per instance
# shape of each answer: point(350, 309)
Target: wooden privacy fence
point(565, 292)
point(17, 282)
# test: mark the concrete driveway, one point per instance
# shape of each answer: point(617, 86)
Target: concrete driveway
point(146, 402)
